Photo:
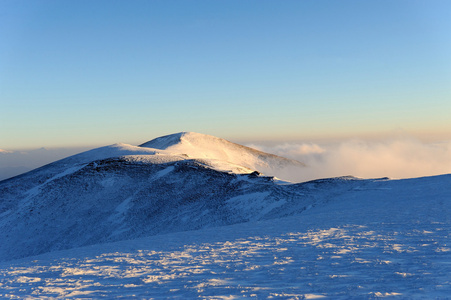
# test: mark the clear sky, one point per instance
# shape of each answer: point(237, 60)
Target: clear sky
point(76, 73)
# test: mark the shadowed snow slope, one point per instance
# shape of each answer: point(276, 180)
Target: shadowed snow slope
point(127, 197)
point(198, 145)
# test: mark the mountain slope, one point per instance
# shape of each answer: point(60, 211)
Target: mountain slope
point(114, 199)
point(365, 239)
point(121, 191)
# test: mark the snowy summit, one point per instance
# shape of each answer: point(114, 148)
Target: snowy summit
point(202, 146)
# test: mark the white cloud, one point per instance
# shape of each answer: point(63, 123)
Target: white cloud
point(293, 149)
point(13, 163)
point(397, 158)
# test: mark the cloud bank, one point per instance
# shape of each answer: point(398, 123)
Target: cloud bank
point(400, 158)
point(14, 163)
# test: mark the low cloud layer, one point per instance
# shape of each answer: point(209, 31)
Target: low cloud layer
point(400, 158)
point(13, 163)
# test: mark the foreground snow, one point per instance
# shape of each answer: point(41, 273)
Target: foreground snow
point(389, 239)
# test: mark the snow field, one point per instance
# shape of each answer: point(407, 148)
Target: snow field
point(288, 258)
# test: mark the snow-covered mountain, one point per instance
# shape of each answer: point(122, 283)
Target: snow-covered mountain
point(179, 182)
point(187, 216)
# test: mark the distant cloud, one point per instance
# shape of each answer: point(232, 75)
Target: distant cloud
point(398, 158)
point(14, 163)
point(290, 150)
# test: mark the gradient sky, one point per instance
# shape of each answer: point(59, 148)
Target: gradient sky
point(76, 73)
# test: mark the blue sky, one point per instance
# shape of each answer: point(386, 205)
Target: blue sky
point(77, 73)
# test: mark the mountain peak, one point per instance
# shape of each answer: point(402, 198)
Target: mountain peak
point(164, 142)
point(203, 146)
point(184, 137)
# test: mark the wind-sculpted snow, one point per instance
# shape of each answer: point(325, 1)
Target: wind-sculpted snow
point(197, 145)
